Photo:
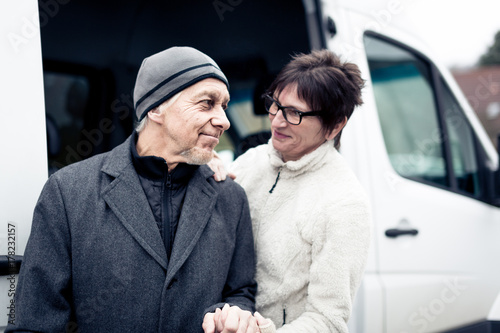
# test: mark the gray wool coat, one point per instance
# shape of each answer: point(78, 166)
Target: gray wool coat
point(95, 260)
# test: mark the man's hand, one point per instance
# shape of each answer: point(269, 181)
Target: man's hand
point(231, 319)
point(210, 321)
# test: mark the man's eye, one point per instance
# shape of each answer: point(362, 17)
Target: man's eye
point(207, 103)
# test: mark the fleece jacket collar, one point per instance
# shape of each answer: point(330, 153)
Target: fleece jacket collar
point(309, 162)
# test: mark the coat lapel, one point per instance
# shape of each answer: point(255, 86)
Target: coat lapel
point(127, 200)
point(199, 203)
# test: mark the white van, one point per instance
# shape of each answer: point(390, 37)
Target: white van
point(416, 145)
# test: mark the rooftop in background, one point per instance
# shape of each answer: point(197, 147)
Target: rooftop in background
point(481, 86)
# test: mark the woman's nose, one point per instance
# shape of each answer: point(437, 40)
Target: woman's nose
point(278, 120)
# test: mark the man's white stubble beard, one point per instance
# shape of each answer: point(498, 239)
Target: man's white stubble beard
point(197, 156)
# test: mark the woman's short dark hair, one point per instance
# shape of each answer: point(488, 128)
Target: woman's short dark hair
point(325, 83)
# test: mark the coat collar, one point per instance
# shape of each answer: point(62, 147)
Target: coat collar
point(199, 203)
point(126, 198)
point(154, 167)
point(309, 162)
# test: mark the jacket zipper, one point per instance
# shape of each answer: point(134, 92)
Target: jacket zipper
point(284, 315)
point(168, 193)
point(169, 180)
point(276, 182)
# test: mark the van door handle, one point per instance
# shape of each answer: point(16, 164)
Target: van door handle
point(393, 233)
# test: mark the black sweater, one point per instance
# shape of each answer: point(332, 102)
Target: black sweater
point(165, 191)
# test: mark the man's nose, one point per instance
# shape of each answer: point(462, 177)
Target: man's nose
point(220, 119)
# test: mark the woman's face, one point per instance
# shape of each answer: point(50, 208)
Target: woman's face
point(294, 141)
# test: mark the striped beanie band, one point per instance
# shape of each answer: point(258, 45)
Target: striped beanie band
point(166, 73)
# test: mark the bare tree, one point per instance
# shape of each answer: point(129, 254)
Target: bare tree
point(492, 56)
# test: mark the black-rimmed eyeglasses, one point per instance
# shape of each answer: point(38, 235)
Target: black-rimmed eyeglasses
point(292, 115)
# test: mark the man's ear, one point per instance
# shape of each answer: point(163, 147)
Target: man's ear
point(155, 115)
point(336, 130)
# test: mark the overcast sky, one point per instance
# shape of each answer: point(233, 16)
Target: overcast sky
point(459, 31)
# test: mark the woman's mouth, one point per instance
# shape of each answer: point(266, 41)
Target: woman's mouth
point(279, 135)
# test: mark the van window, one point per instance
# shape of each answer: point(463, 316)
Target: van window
point(66, 100)
point(461, 141)
point(426, 134)
point(247, 115)
point(408, 112)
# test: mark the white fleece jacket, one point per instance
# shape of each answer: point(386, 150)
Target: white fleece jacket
point(311, 233)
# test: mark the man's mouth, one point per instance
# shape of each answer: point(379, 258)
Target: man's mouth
point(212, 139)
point(214, 135)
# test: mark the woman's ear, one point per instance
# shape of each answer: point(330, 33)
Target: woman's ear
point(336, 130)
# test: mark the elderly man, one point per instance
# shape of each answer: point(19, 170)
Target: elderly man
point(142, 239)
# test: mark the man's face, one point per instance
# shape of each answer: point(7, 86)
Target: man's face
point(194, 122)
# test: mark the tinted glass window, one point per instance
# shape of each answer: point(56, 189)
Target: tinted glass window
point(461, 141)
point(66, 100)
point(407, 110)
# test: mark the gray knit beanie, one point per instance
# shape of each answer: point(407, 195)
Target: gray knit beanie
point(164, 74)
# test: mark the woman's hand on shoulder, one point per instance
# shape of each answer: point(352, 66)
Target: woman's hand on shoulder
point(217, 166)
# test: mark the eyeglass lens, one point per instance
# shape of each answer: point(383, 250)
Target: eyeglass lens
point(291, 115)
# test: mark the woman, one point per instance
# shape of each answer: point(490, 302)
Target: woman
point(310, 216)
